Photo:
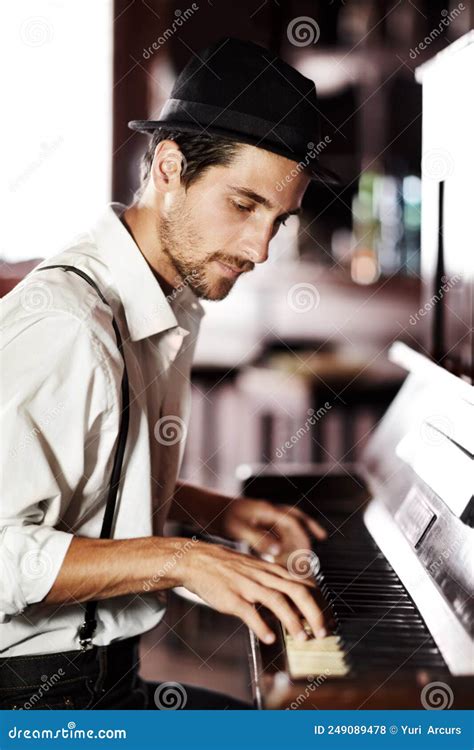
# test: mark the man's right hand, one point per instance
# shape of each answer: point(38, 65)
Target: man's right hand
point(233, 583)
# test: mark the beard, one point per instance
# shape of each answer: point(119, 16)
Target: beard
point(182, 245)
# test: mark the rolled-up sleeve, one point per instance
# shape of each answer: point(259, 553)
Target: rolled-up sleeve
point(30, 559)
point(57, 392)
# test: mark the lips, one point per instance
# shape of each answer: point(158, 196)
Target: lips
point(230, 271)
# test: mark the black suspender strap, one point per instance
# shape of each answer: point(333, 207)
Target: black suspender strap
point(87, 629)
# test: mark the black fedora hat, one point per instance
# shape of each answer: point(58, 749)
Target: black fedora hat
point(239, 90)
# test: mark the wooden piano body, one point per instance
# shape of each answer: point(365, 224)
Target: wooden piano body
point(397, 569)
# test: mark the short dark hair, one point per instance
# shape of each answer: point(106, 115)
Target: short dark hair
point(200, 150)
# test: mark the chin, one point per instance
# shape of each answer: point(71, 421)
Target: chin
point(216, 291)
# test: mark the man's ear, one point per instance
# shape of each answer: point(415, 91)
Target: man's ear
point(168, 167)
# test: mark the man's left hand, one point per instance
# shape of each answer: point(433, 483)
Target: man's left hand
point(270, 529)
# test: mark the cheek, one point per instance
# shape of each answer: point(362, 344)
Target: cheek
point(217, 225)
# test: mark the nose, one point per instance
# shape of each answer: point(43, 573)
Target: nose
point(256, 248)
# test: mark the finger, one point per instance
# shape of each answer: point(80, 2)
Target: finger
point(285, 526)
point(249, 615)
point(281, 608)
point(315, 528)
point(254, 566)
point(263, 541)
point(318, 531)
point(304, 601)
point(292, 531)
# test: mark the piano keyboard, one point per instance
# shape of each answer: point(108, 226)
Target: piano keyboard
point(377, 624)
point(395, 573)
point(322, 656)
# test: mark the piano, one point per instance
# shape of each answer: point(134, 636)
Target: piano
point(395, 575)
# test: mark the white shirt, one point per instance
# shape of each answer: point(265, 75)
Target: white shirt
point(61, 398)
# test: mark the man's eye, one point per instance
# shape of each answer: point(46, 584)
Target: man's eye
point(241, 206)
point(281, 222)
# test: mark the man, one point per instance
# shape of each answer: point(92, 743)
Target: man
point(238, 122)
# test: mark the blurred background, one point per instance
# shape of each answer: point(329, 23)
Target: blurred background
point(292, 367)
point(313, 324)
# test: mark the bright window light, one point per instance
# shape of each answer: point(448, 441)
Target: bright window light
point(57, 122)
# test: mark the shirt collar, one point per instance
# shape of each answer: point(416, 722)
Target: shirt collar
point(147, 309)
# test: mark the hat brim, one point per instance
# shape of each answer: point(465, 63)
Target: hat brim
point(315, 170)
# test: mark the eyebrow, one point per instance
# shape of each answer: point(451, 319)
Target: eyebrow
point(260, 199)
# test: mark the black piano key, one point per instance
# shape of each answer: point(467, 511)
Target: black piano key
point(377, 621)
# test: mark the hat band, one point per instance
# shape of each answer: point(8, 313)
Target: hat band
point(209, 115)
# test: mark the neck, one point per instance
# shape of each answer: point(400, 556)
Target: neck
point(141, 224)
